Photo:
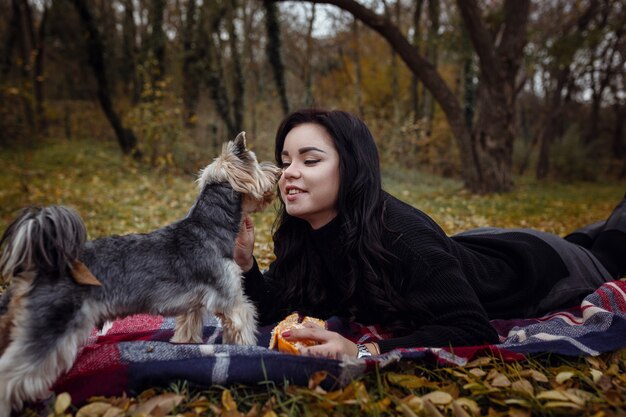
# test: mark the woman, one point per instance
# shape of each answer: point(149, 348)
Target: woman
point(345, 247)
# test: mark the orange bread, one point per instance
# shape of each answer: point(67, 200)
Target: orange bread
point(292, 321)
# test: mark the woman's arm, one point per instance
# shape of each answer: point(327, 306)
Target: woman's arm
point(255, 283)
point(444, 308)
point(437, 299)
point(259, 289)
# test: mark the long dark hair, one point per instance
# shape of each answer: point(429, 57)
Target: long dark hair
point(360, 207)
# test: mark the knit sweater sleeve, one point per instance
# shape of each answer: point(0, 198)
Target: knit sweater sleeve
point(436, 296)
point(257, 287)
point(444, 309)
point(432, 292)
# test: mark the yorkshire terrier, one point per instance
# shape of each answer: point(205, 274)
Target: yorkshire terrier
point(61, 286)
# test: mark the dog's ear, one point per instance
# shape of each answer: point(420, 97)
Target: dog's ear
point(239, 144)
point(271, 171)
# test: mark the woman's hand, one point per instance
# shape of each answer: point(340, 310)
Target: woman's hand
point(331, 344)
point(244, 244)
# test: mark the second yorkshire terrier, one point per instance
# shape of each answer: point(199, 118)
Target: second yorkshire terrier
point(61, 287)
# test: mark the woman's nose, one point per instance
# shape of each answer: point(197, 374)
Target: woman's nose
point(291, 171)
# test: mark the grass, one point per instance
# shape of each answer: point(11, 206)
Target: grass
point(116, 195)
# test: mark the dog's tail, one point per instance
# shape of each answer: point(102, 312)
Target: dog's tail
point(41, 238)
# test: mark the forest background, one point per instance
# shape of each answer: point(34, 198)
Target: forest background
point(112, 106)
point(476, 90)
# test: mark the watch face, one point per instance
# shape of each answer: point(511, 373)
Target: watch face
point(362, 351)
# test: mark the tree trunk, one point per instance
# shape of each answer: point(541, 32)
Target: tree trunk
point(42, 123)
point(238, 81)
point(125, 137)
point(26, 44)
point(255, 76)
point(13, 32)
point(210, 53)
point(596, 102)
point(431, 79)
point(469, 90)
point(611, 48)
point(190, 61)
point(549, 124)
point(415, 101)
point(428, 112)
point(358, 70)
point(395, 73)
point(543, 161)
point(617, 145)
point(309, 98)
point(273, 52)
point(494, 132)
point(393, 66)
point(128, 69)
point(108, 33)
point(493, 141)
point(156, 41)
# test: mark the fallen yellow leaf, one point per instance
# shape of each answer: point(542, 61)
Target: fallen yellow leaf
point(477, 372)
point(161, 404)
point(438, 398)
point(501, 381)
point(317, 378)
point(468, 404)
point(518, 401)
point(405, 410)
point(552, 395)
point(431, 410)
point(561, 404)
point(596, 375)
point(113, 412)
point(94, 409)
point(483, 360)
point(534, 374)
point(408, 381)
point(563, 376)
point(62, 402)
point(523, 385)
point(227, 401)
point(458, 410)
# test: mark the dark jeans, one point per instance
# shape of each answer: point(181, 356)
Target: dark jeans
point(606, 240)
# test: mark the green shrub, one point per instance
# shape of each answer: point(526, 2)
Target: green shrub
point(574, 160)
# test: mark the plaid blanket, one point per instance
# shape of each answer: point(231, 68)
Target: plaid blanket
point(134, 353)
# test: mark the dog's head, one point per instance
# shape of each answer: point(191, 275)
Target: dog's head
point(239, 167)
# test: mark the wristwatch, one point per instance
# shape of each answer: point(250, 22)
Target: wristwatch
point(363, 351)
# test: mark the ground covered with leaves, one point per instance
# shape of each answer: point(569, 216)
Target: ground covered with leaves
point(116, 196)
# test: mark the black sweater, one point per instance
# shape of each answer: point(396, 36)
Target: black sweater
point(447, 288)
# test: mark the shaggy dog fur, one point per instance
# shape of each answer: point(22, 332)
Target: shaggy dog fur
point(184, 269)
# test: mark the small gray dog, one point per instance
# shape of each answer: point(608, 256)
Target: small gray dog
point(61, 287)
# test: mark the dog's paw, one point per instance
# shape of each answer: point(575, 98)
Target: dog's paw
point(247, 338)
point(239, 325)
point(239, 338)
point(188, 327)
point(179, 340)
point(180, 337)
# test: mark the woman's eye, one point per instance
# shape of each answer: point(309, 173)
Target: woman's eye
point(284, 164)
point(311, 161)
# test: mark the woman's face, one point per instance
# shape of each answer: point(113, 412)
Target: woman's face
point(309, 185)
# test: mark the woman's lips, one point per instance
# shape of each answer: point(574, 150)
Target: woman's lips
point(293, 193)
